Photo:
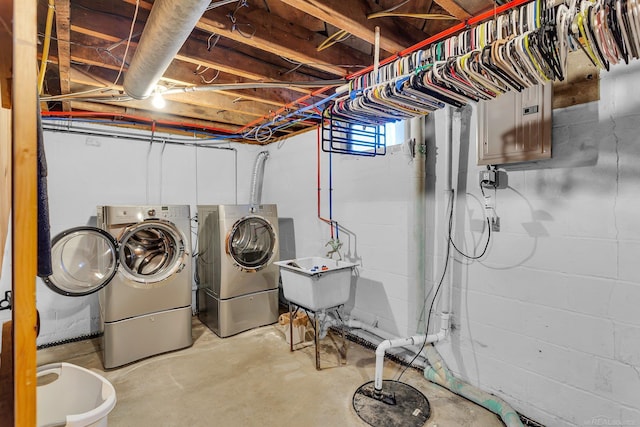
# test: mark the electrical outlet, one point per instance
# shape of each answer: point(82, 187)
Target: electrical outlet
point(493, 178)
point(495, 223)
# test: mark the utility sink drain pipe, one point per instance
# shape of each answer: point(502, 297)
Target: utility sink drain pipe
point(419, 136)
point(438, 372)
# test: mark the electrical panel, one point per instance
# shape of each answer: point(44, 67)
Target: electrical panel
point(515, 127)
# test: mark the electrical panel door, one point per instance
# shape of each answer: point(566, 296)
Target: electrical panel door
point(515, 127)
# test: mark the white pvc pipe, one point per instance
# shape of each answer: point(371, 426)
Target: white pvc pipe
point(402, 342)
point(354, 324)
point(376, 53)
point(438, 372)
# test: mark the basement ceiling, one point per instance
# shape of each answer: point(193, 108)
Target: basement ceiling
point(252, 42)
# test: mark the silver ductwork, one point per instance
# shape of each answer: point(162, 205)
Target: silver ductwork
point(168, 27)
point(255, 195)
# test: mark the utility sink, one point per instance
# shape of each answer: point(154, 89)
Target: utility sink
point(316, 283)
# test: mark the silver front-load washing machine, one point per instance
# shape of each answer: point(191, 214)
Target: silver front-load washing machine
point(238, 282)
point(139, 259)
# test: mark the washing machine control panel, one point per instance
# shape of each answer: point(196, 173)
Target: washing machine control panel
point(132, 214)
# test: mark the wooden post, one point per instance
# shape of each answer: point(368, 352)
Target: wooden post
point(25, 212)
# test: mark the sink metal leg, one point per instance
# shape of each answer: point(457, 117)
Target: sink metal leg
point(290, 329)
point(317, 340)
point(343, 351)
point(344, 344)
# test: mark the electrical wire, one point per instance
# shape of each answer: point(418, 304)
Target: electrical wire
point(484, 251)
point(100, 50)
point(444, 271)
point(391, 12)
point(212, 45)
point(438, 286)
point(337, 37)
point(126, 50)
point(216, 87)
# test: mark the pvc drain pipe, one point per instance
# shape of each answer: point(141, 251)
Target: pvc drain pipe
point(401, 342)
point(438, 373)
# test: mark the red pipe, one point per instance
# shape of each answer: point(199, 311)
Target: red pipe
point(445, 33)
point(134, 118)
point(286, 107)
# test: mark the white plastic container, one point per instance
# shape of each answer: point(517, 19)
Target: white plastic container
point(316, 283)
point(70, 395)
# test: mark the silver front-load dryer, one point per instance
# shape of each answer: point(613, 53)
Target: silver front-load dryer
point(238, 282)
point(139, 259)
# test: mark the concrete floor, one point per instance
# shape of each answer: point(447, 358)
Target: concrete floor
point(252, 379)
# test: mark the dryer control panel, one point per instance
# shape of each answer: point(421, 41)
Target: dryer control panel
point(131, 214)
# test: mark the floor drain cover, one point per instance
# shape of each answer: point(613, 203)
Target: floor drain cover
point(401, 405)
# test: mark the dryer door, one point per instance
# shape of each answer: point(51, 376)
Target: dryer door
point(251, 243)
point(151, 251)
point(84, 259)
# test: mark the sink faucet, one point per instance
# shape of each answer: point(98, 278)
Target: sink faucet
point(335, 247)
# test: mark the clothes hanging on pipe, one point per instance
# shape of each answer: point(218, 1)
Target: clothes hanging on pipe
point(523, 47)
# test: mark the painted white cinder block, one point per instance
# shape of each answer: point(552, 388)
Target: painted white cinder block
point(626, 340)
point(88, 171)
point(623, 305)
point(547, 320)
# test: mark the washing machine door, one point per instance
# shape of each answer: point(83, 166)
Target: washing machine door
point(151, 251)
point(83, 259)
point(251, 243)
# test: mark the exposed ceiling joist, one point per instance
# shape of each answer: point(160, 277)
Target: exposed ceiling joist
point(351, 16)
point(114, 29)
point(115, 110)
point(270, 33)
point(252, 41)
point(454, 9)
point(63, 37)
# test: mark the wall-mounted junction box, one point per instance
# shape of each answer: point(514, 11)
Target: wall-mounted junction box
point(492, 178)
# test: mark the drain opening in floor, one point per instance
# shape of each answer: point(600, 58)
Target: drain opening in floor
point(401, 405)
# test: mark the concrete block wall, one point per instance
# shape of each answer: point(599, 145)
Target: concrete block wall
point(548, 319)
point(372, 204)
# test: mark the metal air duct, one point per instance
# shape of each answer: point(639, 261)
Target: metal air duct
point(169, 25)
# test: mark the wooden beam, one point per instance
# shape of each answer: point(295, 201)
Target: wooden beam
point(182, 74)
point(63, 36)
point(5, 179)
point(118, 109)
point(6, 376)
point(273, 34)
point(581, 84)
point(113, 29)
point(188, 112)
point(25, 208)
point(210, 100)
point(454, 9)
point(351, 16)
point(6, 52)
point(196, 104)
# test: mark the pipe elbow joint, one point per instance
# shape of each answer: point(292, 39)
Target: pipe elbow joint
point(383, 347)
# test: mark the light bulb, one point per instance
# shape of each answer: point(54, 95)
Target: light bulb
point(158, 101)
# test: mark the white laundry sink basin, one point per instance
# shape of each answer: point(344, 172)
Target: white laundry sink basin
point(316, 283)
